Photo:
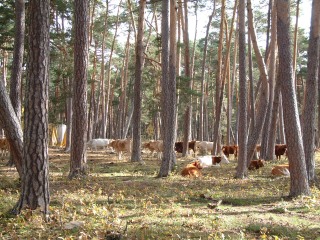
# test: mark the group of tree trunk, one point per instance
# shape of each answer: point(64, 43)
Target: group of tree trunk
point(257, 116)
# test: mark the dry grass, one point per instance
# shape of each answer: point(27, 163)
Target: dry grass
point(120, 198)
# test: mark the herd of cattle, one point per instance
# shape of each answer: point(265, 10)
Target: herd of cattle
point(193, 169)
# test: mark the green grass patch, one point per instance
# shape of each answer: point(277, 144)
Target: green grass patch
point(120, 198)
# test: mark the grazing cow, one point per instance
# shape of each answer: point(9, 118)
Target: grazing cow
point(207, 161)
point(98, 143)
point(256, 164)
point(204, 146)
point(4, 146)
point(280, 149)
point(227, 150)
point(121, 145)
point(192, 170)
point(178, 146)
point(154, 146)
point(281, 170)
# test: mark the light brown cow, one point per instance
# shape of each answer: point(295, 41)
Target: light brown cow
point(192, 169)
point(154, 146)
point(121, 145)
point(281, 170)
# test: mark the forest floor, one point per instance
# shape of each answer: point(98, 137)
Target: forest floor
point(124, 200)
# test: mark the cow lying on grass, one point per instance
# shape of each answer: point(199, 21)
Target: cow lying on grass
point(256, 164)
point(207, 161)
point(192, 169)
point(281, 170)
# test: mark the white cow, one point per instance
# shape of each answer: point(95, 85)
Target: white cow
point(207, 161)
point(204, 146)
point(98, 143)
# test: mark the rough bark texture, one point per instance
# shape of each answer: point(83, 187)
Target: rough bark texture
point(15, 86)
point(309, 111)
point(266, 144)
point(136, 127)
point(219, 85)
point(168, 87)
point(16, 70)
point(78, 156)
point(242, 135)
point(298, 174)
point(35, 178)
point(188, 73)
point(12, 128)
point(263, 94)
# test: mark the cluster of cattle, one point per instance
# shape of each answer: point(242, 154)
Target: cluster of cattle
point(194, 168)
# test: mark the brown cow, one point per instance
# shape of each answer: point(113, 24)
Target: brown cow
point(280, 149)
point(121, 145)
point(230, 150)
point(4, 146)
point(192, 170)
point(216, 160)
point(281, 170)
point(178, 146)
point(256, 164)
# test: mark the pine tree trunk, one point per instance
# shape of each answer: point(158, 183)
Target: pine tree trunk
point(242, 155)
point(168, 87)
point(297, 164)
point(35, 178)
point(309, 111)
point(107, 104)
point(203, 83)
point(136, 126)
point(12, 128)
point(188, 74)
point(264, 91)
point(266, 141)
point(78, 156)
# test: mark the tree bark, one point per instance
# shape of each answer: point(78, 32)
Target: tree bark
point(78, 156)
point(309, 111)
point(106, 110)
point(168, 87)
point(242, 134)
point(136, 127)
point(202, 99)
point(35, 178)
point(188, 74)
point(264, 91)
point(297, 164)
point(266, 146)
point(12, 128)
